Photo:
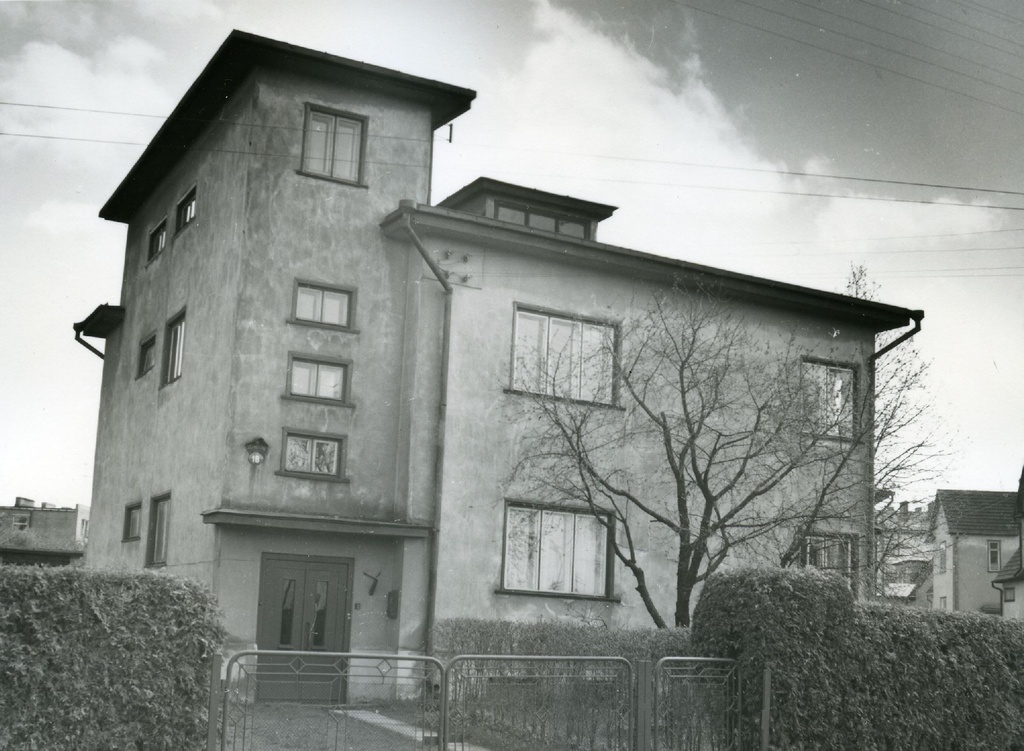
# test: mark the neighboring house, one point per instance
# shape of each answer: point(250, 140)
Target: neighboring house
point(306, 379)
point(1010, 580)
point(42, 534)
point(904, 553)
point(974, 535)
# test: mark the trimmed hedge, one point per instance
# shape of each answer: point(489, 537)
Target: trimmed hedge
point(472, 636)
point(94, 660)
point(869, 677)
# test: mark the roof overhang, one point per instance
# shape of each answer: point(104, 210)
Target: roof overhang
point(312, 523)
point(442, 222)
point(240, 53)
point(100, 324)
point(484, 186)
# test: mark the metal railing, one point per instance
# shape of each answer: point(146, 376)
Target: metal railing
point(294, 701)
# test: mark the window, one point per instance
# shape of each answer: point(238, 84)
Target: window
point(132, 522)
point(1009, 594)
point(831, 553)
point(147, 356)
point(21, 522)
point(186, 210)
point(329, 306)
point(83, 529)
point(174, 344)
point(563, 357)
point(555, 550)
point(313, 455)
point(942, 557)
point(158, 240)
point(156, 548)
point(832, 394)
point(547, 221)
point(942, 603)
point(995, 555)
point(318, 379)
point(333, 145)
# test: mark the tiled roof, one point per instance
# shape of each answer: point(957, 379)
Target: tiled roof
point(1011, 571)
point(978, 512)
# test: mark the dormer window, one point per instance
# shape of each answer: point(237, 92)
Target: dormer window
point(543, 220)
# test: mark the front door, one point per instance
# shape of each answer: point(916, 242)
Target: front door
point(303, 607)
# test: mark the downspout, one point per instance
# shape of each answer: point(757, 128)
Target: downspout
point(435, 530)
point(916, 316)
point(80, 340)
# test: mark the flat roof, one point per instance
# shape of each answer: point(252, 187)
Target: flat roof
point(228, 68)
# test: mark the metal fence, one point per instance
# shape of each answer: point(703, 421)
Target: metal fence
point(316, 701)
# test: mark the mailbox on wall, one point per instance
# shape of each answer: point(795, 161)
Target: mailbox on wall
point(394, 602)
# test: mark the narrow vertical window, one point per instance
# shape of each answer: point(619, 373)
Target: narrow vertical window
point(995, 555)
point(157, 241)
point(831, 391)
point(186, 210)
point(132, 522)
point(147, 356)
point(156, 549)
point(174, 348)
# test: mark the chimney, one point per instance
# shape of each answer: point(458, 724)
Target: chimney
point(904, 510)
point(20, 502)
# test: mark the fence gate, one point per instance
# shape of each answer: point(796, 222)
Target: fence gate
point(316, 701)
point(288, 701)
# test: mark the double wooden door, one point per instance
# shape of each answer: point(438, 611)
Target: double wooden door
point(304, 606)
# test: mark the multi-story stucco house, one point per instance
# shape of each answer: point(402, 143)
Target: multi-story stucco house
point(306, 379)
point(974, 535)
point(1010, 580)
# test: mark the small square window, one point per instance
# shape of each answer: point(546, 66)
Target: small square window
point(21, 522)
point(156, 547)
point(329, 306)
point(157, 241)
point(186, 210)
point(147, 356)
point(1010, 594)
point(942, 603)
point(313, 455)
point(174, 348)
point(132, 522)
point(318, 379)
point(333, 145)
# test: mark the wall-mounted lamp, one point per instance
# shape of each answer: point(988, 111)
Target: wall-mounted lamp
point(257, 451)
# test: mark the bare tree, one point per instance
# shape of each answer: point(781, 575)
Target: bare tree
point(704, 430)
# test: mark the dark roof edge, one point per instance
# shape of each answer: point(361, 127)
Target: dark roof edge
point(223, 74)
point(590, 209)
point(875, 315)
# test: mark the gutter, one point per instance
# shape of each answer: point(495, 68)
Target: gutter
point(435, 530)
point(916, 316)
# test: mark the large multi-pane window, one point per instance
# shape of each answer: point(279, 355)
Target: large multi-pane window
point(174, 348)
point(321, 304)
point(313, 455)
point(563, 357)
point(542, 220)
point(832, 391)
point(317, 379)
point(156, 548)
point(551, 549)
point(333, 145)
point(831, 553)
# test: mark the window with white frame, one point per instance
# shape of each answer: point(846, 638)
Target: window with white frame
point(942, 557)
point(995, 555)
point(333, 145)
point(174, 348)
point(550, 549)
point(1009, 594)
point(564, 357)
point(156, 547)
point(318, 379)
point(20, 522)
point(324, 305)
point(313, 455)
point(832, 393)
point(942, 603)
point(132, 522)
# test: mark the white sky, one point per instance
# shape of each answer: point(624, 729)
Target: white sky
point(641, 107)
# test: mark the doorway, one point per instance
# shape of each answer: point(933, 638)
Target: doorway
point(304, 606)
